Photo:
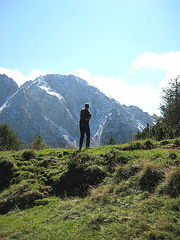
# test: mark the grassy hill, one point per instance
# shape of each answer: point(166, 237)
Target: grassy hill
point(128, 191)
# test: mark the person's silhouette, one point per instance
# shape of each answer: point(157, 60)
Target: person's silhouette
point(85, 116)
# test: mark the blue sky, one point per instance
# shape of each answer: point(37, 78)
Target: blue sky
point(127, 48)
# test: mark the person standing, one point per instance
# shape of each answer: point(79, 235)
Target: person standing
point(85, 116)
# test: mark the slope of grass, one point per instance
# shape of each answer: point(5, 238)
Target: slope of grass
point(128, 191)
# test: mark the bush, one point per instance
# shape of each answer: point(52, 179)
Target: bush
point(28, 154)
point(148, 144)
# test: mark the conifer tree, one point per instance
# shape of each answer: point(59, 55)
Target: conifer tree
point(111, 141)
point(168, 126)
point(9, 139)
point(38, 143)
point(171, 107)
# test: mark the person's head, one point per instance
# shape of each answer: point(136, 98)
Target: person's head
point(87, 105)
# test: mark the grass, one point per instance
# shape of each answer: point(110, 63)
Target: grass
point(110, 192)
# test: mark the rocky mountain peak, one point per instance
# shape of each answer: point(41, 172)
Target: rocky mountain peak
point(51, 106)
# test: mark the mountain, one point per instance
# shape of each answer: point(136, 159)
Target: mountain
point(51, 106)
point(8, 88)
point(142, 118)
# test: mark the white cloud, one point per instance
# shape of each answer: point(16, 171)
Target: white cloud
point(131, 71)
point(143, 96)
point(36, 73)
point(169, 62)
point(18, 77)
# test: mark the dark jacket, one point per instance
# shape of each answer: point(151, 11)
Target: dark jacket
point(84, 117)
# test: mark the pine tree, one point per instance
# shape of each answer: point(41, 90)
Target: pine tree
point(111, 141)
point(38, 143)
point(9, 139)
point(168, 126)
point(171, 107)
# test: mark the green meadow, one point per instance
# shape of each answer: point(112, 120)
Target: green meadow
point(128, 191)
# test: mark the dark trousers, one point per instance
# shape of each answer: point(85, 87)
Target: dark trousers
point(83, 130)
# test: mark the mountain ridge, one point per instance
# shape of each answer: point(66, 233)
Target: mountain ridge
point(50, 105)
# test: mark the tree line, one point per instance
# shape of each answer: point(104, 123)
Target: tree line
point(168, 125)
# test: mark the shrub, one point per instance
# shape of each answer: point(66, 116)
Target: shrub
point(28, 154)
point(148, 144)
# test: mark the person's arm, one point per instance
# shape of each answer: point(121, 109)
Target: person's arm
point(89, 117)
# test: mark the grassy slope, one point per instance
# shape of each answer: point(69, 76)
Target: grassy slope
point(110, 192)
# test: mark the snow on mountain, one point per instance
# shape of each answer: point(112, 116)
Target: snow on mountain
point(7, 88)
point(51, 106)
point(6, 102)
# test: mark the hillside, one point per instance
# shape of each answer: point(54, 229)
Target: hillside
point(128, 191)
point(51, 105)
